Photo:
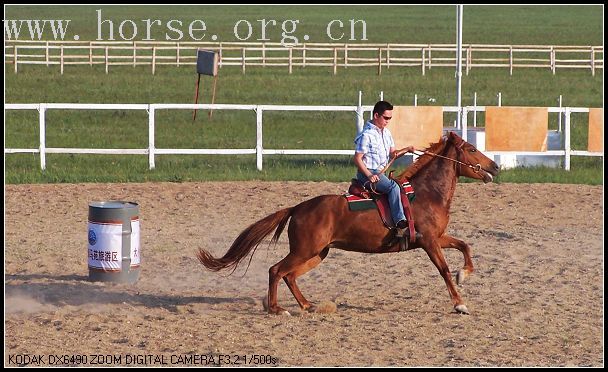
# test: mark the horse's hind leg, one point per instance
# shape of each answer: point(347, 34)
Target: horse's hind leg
point(447, 241)
point(290, 279)
point(288, 264)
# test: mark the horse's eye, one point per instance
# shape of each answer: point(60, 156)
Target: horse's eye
point(473, 150)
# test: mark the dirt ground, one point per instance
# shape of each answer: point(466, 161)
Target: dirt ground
point(536, 297)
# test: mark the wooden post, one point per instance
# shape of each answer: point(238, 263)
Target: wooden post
point(220, 53)
point(469, 52)
point(345, 55)
point(177, 54)
point(243, 60)
point(553, 60)
point(154, 60)
point(61, 59)
point(213, 96)
point(264, 55)
point(290, 56)
point(198, 84)
point(335, 60)
point(46, 54)
point(134, 53)
point(379, 61)
point(388, 56)
point(423, 62)
point(15, 57)
point(592, 61)
point(90, 53)
point(511, 60)
point(303, 55)
point(430, 57)
point(106, 59)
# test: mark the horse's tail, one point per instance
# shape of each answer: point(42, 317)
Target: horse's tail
point(247, 241)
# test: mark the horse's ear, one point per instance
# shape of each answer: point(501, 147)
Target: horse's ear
point(452, 135)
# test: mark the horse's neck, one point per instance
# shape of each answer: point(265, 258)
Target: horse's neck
point(436, 182)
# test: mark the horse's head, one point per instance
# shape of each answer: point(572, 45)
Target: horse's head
point(475, 164)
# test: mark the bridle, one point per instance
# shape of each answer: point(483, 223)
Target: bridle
point(476, 168)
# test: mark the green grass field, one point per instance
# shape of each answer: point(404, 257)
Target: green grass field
point(559, 25)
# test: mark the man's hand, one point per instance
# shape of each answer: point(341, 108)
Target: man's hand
point(403, 151)
point(373, 178)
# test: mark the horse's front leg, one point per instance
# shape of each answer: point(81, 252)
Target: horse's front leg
point(447, 241)
point(433, 249)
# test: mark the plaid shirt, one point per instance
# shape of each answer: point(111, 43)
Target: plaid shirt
point(375, 145)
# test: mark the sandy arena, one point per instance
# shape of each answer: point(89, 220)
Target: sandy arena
point(536, 296)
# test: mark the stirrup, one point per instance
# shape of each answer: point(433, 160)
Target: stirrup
point(404, 238)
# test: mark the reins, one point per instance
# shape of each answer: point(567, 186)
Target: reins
point(475, 168)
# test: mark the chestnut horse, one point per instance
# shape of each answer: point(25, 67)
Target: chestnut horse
point(326, 222)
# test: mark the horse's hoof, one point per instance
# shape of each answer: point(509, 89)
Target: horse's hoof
point(462, 309)
point(279, 311)
point(460, 276)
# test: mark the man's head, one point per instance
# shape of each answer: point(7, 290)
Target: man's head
point(383, 113)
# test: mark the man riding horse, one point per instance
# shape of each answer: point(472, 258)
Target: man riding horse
point(374, 147)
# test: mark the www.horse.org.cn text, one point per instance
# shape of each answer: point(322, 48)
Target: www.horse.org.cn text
point(111, 29)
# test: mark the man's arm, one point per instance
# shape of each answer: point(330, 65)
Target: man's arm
point(358, 159)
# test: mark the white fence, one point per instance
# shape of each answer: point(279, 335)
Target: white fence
point(424, 56)
point(259, 151)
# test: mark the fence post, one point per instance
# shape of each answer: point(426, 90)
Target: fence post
point(553, 60)
point(46, 54)
point(345, 55)
point(107, 61)
point(15, 57)
point(468, 59)
point(592, 61)
point(151, 113)
point(559, 117)
point(264, 55)
point(388, 56)
point(335, 60)
point(177, 54)
point(475, 109)
point(154, 60)
point(41, 121)
point(415, 99)
point(567, 139)
point(511, 60)
point(290, 61)
point(90, 53)
point(258, 146)
point(360, 119)
point(61, 59)
point(463, 122)
point(220, 53)
point(379, 61)
point(423, 61)
point(304, 55)
point(243, 60)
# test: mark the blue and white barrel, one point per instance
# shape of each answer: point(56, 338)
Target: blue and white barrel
point(114, 253)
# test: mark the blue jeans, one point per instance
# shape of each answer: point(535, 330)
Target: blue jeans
point(386, 186)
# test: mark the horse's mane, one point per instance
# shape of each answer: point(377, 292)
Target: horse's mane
point(423, 160)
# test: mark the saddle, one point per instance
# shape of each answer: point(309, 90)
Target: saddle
point(359, 198)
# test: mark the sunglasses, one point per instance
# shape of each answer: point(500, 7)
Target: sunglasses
point(387, 117)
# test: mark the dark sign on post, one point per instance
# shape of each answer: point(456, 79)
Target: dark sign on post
point(207, 62)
